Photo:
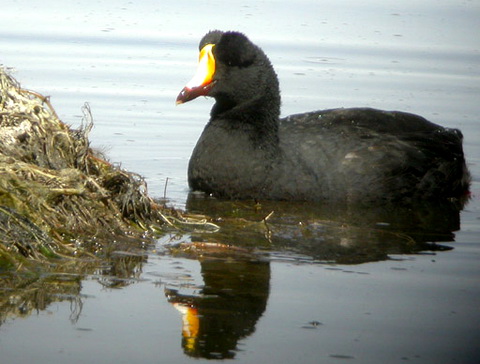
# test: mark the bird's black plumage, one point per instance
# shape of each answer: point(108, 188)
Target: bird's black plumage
point(356, 154)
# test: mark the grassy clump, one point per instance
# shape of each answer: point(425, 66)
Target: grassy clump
point(58, 199)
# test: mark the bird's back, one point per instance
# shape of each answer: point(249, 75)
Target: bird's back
point(367, 154)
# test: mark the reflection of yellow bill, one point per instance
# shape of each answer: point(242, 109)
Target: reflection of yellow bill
point(191, 324)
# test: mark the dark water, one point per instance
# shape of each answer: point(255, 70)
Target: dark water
point(404, 285)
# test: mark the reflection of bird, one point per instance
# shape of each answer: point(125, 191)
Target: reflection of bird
point(227, 308)
point(357, 154)
point(190, 325)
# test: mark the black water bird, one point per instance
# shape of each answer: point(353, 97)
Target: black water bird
point(346, 154)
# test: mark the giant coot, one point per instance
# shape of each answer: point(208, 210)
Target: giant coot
point(354, 154)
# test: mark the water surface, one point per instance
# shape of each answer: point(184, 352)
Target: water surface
point(287, 302)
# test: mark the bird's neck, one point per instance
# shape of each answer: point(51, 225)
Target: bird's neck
point(258, 116)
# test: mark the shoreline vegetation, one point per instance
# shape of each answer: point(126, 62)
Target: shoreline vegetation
point(65, 209)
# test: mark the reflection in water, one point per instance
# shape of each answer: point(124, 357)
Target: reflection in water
point(236, 288)
point(121, 269)
point(36, 292)
point(236, 282)
point(330, 233)
point(39, 294)
point(227, 308)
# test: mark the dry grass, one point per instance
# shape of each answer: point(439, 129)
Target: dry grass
point(58, 199)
